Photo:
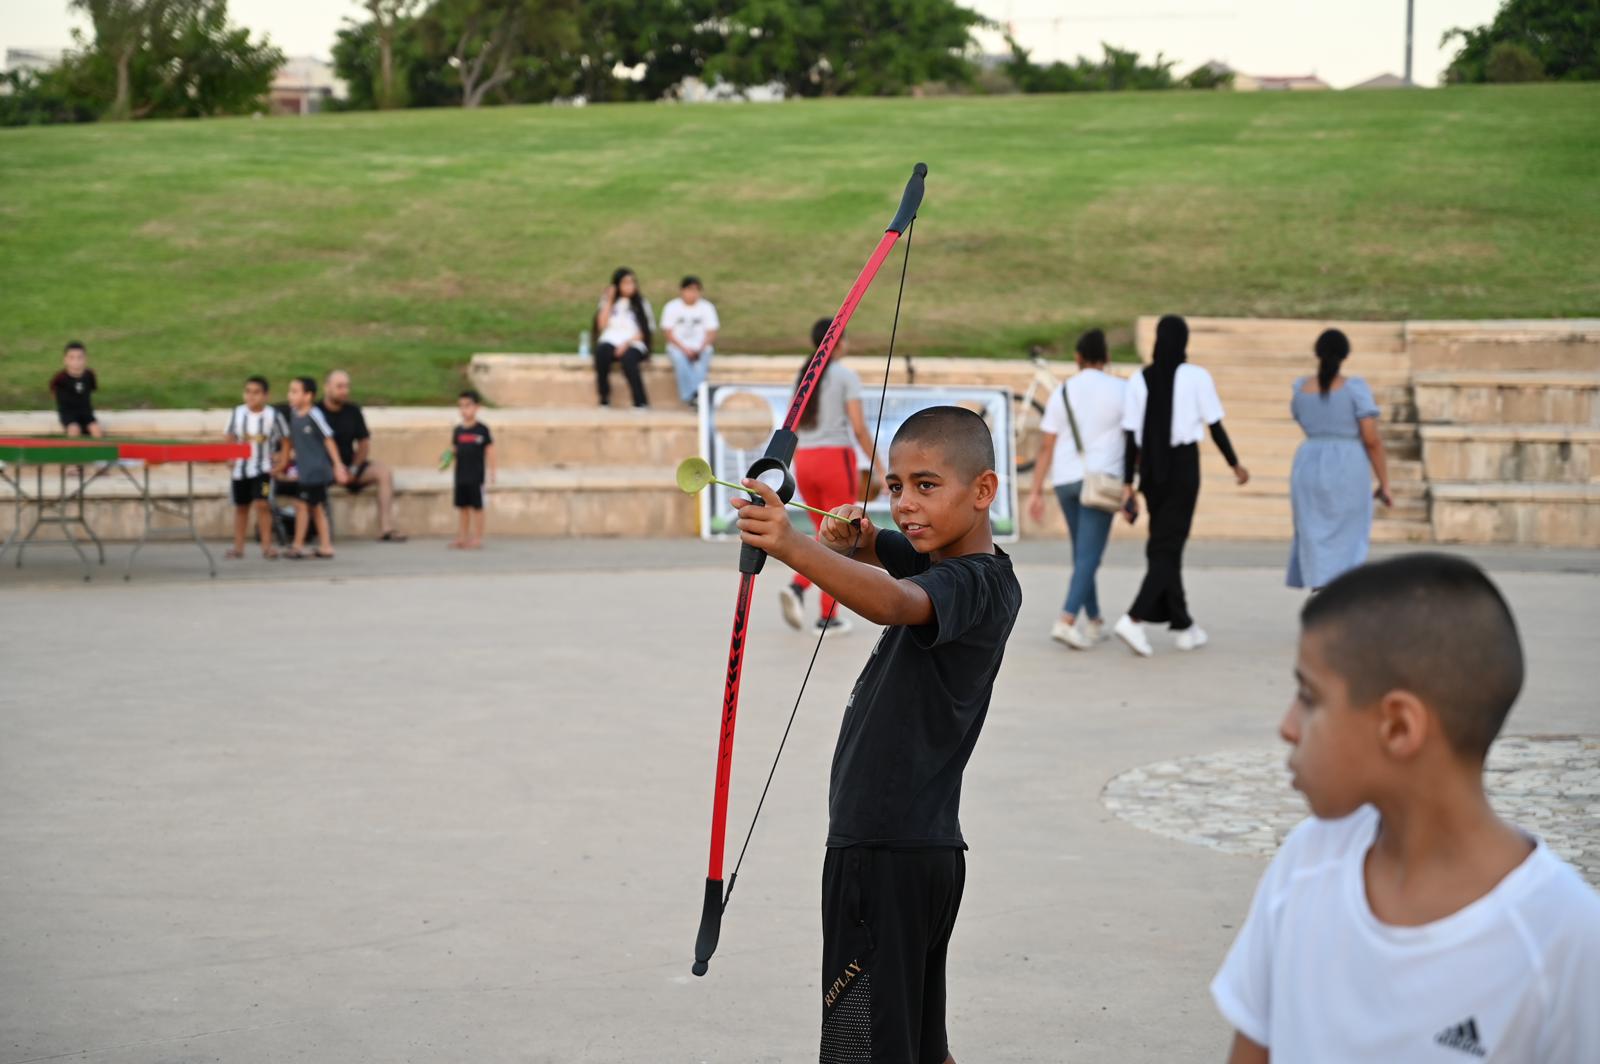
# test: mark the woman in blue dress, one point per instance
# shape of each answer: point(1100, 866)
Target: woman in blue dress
point(1330, 487)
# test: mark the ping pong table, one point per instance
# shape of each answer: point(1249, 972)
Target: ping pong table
point(92, 459)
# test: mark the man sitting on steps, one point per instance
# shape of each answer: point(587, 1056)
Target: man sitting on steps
point(355, 444)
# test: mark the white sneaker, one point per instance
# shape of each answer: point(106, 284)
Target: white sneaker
point(1062, 632)
point(1192, 638)
point(794, 607)
point(1131, 632)
point(838, 624)
point(1095, 631)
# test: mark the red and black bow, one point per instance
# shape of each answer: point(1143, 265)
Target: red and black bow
point(777, 458)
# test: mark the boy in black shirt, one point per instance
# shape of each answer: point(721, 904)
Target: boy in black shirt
point(473, 449)
point(894, 870)
point(73, 388)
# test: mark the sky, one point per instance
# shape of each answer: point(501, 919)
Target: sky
point(1341, 41)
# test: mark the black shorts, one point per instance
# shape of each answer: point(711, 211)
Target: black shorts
point(354, 484)
point(469, 496)
point(887, 916)
point(310, 494)
point(249, 490)
point(81, 419)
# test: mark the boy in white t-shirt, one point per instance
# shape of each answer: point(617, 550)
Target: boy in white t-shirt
point(691, 325)
point(1407, 921)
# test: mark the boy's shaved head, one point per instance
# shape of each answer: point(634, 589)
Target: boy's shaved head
point(961, 434)
point(1430, 624)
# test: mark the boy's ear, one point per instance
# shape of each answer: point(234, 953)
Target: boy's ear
point(1404, 724)
point(986, 488)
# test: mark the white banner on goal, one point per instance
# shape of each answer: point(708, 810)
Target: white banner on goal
point(736, 420)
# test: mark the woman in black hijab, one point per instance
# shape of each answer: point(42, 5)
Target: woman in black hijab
point(1169, 407)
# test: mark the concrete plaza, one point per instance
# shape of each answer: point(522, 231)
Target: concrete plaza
point(411, 805)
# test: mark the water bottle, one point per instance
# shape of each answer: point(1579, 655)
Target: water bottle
point(583, 344)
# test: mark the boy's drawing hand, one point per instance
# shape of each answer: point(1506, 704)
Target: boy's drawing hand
point(841, 536)
point(766, 526)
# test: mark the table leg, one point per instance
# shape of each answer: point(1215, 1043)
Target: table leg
point(194, 529)
point(144, 500)
point(66, 522)
point(16, 512)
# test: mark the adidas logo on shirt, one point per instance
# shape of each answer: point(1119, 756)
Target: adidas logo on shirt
point(1462, 1036)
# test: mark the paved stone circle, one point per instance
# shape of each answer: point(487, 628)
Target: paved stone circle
point(1240, 801)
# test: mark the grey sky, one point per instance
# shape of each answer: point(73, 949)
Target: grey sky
point(1343, 41)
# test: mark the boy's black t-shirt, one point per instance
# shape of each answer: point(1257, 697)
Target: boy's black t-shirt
point(349, 428)
point(73, 393)
point(917, 708)
point(469, 443)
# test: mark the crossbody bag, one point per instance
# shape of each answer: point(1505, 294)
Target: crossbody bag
point(1099, 491)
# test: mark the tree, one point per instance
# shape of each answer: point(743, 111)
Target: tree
point(121, 29)
point(168, 59)
point(490, 43)
point(845, 47)
point(1117, 70)
point(421, 79)
point(390, 18)
point(1561, 36)
point(658, 43)
point(1510, 62)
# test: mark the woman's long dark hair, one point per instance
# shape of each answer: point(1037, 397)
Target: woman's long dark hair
point(1160, 378)
point(819, 330)
point(636, 301)
point(1333, 347)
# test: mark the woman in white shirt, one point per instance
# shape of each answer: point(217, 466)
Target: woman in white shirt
point(1096, 401)
point(1169, 406)
point(623, 325)
point(825, 464)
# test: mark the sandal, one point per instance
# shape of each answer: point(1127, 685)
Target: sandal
point(323, 555)
point(294, 554)
point(392, 537)
point(270, 554)
point(233, 553)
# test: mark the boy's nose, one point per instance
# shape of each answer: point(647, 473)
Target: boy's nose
point(1289, 727)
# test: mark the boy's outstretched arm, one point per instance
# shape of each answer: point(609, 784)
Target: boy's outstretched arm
point(1247, 1052)
point(864, 589)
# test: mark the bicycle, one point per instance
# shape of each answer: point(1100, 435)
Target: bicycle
point(1027, 410)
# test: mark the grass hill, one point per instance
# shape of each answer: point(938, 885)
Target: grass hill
point(188, 254)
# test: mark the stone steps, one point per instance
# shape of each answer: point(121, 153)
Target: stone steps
point(1549, 515)
point(1509, 398)
point(1499, 346)
point(1511, 453)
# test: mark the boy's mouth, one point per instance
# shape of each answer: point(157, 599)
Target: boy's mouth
point(913, 528)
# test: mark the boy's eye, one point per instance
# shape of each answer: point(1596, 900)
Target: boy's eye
point(926, 485)
point(894, 489)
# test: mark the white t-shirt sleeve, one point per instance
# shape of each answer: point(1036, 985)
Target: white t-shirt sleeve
point(712, 321)
point(1054, 420)
point(1133, 406)
point(852, 384)
point(671, 313)
point(1242, 988)
point(321, 423)
point(1572, 1028)
point(1206, 394)
point(650, 316)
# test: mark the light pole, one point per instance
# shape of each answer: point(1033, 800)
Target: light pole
point(1409, 5)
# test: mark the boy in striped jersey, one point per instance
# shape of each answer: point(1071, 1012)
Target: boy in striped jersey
point(263, 428)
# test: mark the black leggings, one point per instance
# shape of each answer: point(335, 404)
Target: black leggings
point(1171, 504)
point(631, 359)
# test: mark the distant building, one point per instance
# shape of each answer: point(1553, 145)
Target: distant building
point(304, 85)
point(35, 60)
point(1243, 82)
point(1279, 83)
point(1384, 81)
